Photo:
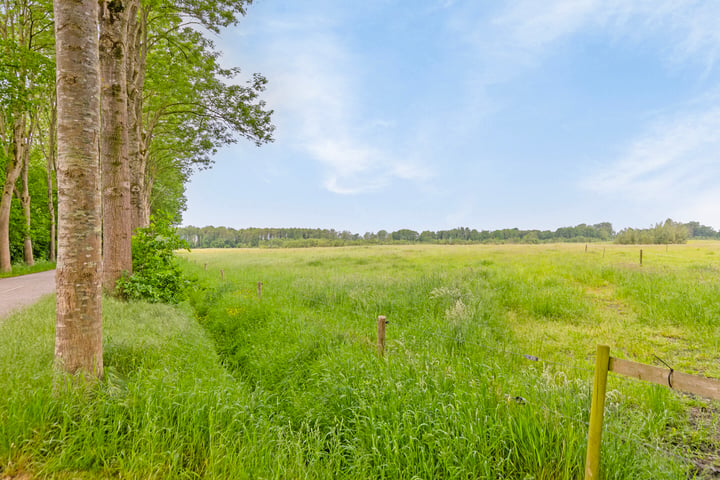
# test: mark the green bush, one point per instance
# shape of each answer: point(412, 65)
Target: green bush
point(156, 276)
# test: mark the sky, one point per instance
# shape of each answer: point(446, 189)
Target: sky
point(436, 114)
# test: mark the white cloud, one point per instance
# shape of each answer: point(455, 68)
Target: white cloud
point(675, 160)
point(532, 25)
point(520, 36)
point(316, 86)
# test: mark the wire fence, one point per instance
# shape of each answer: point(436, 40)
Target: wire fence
point(582, 409)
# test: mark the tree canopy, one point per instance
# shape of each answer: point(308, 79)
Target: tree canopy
point(182, 106)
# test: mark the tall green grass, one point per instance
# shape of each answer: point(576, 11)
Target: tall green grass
point(290, 386)
point(22, 269)
point(446, 306)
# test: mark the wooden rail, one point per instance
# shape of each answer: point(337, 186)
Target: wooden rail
point(668, 377)
point(684, 382)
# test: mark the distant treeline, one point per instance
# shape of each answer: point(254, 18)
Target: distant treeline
point(224, 237)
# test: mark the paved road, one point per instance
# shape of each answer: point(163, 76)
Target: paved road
point(16, 292)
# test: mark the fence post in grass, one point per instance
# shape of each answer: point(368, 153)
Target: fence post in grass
point(641, 257)
point(597, 409)
point(205, 267)
point(381, 335)
point(260, 290)
point(222, 274)
point(586, 248)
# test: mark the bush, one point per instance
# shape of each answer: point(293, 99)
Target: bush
point(156, 274)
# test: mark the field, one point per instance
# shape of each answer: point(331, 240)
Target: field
point(487, 371)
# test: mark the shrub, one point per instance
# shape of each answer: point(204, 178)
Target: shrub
point(156, 276)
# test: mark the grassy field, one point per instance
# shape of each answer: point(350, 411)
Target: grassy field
point(458, 318)
point(21, 269)
point(290, 386)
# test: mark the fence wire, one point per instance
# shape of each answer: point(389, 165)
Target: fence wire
point(536, 402)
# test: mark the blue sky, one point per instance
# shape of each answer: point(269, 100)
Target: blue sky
point(436, 114)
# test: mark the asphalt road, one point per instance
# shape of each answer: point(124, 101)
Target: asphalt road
point(16, 292)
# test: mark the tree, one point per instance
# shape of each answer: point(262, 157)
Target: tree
point(190, 109)
point(26, 70)
point(117, 229)
point(25, 202)
point(78, 339)
point(49, 151)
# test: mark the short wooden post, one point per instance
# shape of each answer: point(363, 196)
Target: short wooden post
point(205, 267)
point(641, 257)
point(222, 274)
point(260, 290)
point(586, 248)
point(597, 409)
point(381, 335)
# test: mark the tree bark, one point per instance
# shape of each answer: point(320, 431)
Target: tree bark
point(52, 133)
point(78, 339)
point(25, 202)
point(12, 172)
point(137, 152)
point(117, 229)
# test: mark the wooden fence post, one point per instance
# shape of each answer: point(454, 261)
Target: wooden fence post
point(641, 257)
point(597, 409)
point(206, 267)
point(381, 335)
point(222, 274)
point(260, 290)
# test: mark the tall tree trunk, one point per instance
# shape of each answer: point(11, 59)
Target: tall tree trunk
point(137, 60)
point(117, 229)
point(78, 338)
point(52, 135)
point(25, 202)
point(12, 172)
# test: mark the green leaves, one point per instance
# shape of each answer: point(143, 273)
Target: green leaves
point(192, 105)
point(156, 277)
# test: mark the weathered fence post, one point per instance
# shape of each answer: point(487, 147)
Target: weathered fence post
point(641, 257)
point(260, 290)
point(205, 267)
point(381, 335)
point(222, 274)
point(597, 409)
point(586, 248)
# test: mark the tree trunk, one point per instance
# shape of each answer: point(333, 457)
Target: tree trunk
point(78, 339)
point(12, 172)
point(137, 60)
point(117, 230)
point(25, 202)
point(52, 132)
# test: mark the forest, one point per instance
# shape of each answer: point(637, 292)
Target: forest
point(668, 232)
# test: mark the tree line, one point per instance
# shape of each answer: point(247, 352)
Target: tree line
point(224, 237)
point(167, 106)
point(106, 108)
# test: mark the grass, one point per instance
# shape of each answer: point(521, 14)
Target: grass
point(22, 269)
point(289, 386)
point(447, 305)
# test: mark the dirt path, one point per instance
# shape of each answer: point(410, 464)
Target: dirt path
point(16, 292)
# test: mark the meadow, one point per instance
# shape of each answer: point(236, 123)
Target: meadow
point(487, 370)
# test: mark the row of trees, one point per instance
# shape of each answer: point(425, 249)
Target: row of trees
point(118, 100)
point(224, 237)
point(167, 105)
point(665, 233)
